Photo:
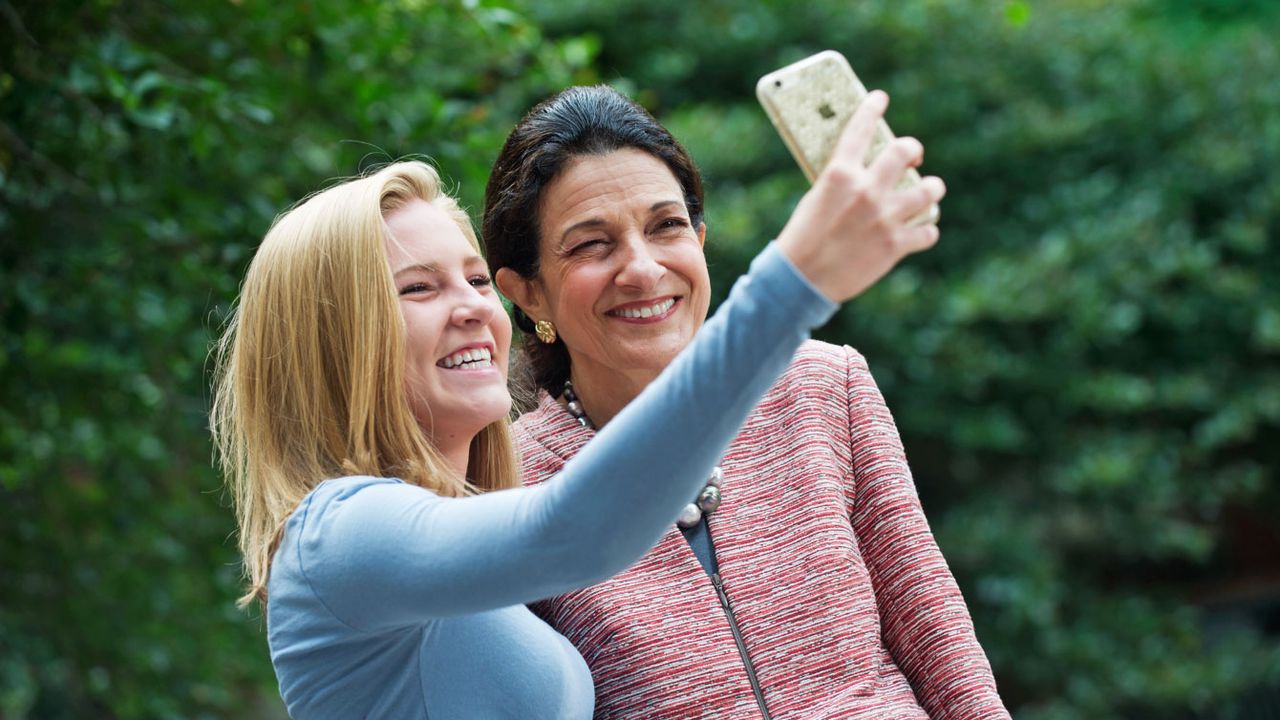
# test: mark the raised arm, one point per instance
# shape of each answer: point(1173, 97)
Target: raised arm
point(924, 620)
point(383, 554)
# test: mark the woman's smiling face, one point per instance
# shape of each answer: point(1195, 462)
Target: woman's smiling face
point(621, 268)
point(457, 333)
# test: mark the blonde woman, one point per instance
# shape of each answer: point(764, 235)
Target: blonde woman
point(360, 414)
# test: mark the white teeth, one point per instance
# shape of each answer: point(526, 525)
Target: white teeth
point(473, 358)
point(649, 311)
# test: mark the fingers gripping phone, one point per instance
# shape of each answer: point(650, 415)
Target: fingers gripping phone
point(810, 102)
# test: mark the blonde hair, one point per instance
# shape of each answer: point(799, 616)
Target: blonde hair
point(310, 374)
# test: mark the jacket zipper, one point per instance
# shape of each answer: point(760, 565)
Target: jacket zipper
point(742, 646)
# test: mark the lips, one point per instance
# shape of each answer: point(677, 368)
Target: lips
point(642, 311)
point(476, 357)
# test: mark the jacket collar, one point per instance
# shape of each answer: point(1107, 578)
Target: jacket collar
point(552, 427)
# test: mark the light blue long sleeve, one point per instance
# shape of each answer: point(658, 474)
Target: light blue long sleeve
point(380, 570)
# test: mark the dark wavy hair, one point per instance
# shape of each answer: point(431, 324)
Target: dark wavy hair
point(579, 121)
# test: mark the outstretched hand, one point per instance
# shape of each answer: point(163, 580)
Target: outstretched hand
point(854, 224)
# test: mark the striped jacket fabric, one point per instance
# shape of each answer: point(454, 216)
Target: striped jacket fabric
point(845, 604)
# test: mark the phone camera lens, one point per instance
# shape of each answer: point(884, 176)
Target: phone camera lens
point(777, 83)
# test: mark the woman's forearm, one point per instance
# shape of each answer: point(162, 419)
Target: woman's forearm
point(388, 554)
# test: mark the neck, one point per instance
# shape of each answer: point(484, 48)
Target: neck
point(603, 396)
point(456, 453)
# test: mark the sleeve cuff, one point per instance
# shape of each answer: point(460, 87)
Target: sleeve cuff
point(787, 287)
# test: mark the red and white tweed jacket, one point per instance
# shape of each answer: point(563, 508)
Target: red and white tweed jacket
point(845, 603)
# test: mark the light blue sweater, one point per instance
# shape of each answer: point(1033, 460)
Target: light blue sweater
point(388, 601)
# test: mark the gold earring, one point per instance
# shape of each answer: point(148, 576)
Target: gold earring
point(545, 330)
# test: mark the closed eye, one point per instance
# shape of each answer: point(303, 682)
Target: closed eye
point(413, 288)
point(586, 245)
point(480, 281)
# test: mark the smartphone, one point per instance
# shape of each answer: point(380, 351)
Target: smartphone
point(810, 102)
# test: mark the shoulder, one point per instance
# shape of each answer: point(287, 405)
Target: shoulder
point(342, 488)
point(321, 533)
point(342, 530)
point(817, 365)
point(819, 389)
point(836, 378)
point(340, 506)
point(810, 395)
point(817, 352)
point(336, 494)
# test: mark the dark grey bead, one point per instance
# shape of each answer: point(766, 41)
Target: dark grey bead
point(709, 499)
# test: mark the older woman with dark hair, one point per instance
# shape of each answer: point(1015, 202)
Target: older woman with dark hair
point(802, 581)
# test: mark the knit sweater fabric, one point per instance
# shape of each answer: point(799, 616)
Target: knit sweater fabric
point(846, 606)
point(388, 601)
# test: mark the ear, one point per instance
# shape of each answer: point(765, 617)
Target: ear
point(525, 293)
point(702, 234)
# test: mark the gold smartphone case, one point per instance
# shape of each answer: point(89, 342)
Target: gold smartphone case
point(809, 103)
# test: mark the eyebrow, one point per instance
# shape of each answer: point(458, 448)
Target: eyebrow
point(597, 222)
point(433, 268)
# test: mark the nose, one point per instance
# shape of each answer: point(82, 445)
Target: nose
point(472, 308)
point(640, 269)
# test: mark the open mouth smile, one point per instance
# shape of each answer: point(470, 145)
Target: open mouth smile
point(651, 311)
point(471, 358)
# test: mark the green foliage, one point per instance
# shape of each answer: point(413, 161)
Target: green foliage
point(1084, 370)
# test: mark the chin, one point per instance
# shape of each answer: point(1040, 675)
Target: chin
point(469, 418)
point(660, 353)
point(494, 410)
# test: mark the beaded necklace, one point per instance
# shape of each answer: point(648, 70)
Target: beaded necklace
point(706, 502)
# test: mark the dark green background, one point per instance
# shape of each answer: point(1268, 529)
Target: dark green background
point(1086, 370)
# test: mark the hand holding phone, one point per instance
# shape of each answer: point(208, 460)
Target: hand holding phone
point(862, 216)
point(810, 103)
